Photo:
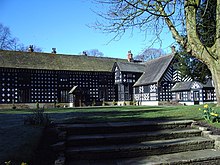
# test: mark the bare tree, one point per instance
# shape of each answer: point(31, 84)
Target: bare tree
point(149, 54)
point(181, 17)
point(7, 42)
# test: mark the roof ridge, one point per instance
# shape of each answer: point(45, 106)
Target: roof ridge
point(163, 56)
point(59, 54)
point(132, 63)
point(38, 60)
point(155, 69)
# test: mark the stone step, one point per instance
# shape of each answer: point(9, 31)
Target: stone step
point(147, 148)
point(131, 137)
point(199, 157)
point(119, 127)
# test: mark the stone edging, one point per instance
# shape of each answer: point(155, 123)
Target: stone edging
point(207, 133)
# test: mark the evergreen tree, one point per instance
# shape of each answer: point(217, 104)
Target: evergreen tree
point(192, 67)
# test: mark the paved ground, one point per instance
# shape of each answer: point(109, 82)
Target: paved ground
point(157, 160)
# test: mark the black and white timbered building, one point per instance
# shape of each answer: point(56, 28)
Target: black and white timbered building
point(193, 92)
point(126, 74)
point(49, 78)
point(159, 80)
point(29, 77)
point(156, 82)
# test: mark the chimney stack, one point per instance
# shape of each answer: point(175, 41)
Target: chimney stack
point(31, 48)
point(54, 50)
point(84, 53)
point(130, 56)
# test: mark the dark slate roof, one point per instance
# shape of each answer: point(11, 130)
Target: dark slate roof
point(186, 86)
point(49, 61)
point(182, 86)
point(154, 70)
point(131, 67)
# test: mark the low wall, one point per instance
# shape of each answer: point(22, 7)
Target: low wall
point(31, 105)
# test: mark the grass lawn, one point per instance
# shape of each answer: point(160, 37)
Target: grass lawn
point(18, 141)
point(123, 113)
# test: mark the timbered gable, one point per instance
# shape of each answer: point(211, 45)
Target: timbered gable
point(154, 70)
point(168, 79)
point(126, 74)
point(172, 74)
point(117, 72)
point(157, 81)
point(169, 74)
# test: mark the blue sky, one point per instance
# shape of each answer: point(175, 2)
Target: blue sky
point(63, 24)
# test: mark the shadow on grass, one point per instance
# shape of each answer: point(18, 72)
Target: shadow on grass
point(115, 117)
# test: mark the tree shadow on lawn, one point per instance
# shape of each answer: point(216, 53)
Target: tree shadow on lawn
point(115, 117)
point(105, 115)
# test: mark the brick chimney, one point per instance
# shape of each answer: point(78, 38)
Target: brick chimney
point(130, 56)
point(31, 48)
point(54, 50)
point(84, 53)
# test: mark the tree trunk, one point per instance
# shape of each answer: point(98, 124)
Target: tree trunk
point(215, 70)
point(208, 55)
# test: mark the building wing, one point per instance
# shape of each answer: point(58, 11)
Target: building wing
point(188, 85)
point(154, 70)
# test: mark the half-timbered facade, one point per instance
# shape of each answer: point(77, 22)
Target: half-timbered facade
point(29, 77)
point(48, 78)
point(156, 82)
point(159, 80)
point(126, 74)
point(193, 92)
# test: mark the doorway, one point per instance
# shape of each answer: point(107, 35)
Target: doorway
point(196, 97)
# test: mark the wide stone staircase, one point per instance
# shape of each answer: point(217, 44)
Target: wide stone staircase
point(136, 142)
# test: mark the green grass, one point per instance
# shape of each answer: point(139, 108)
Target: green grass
point(87, 115)
point(115, 113)
point(18, 141)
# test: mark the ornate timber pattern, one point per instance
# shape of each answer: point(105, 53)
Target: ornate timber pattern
point(126, 74)
point(161, 81)
point(48, 78)
point(47, 86)
point(156, 82)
